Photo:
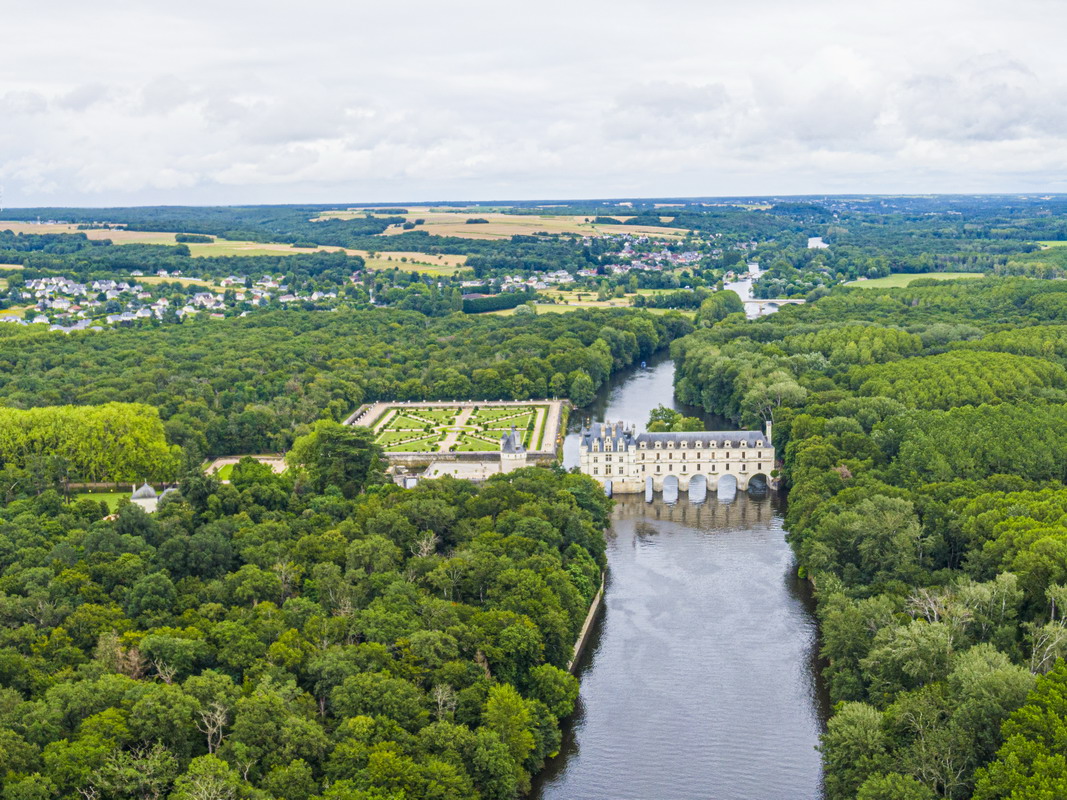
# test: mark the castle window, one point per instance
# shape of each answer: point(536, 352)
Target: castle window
point(683, 468)
point(657, 467)
point(596, 470)
point(607, 470)
point(759, 454)
point(714, 467)
point(759, 467)
point(595, 459)
point(744, 467)
point(607, 458)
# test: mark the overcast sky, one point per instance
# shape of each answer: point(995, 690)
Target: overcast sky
point(107, 103)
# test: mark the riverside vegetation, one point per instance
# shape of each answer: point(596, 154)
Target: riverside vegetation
point(313, 634)
point(925, 440)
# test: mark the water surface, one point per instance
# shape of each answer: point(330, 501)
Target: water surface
point(700, 680)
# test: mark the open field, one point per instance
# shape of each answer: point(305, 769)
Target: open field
point(453, 222)
point(902, 279)
point(118, 236)
point(220, 247)
point(560, 308)
point(1054, 243)
point(443, 264)
point(152, 279)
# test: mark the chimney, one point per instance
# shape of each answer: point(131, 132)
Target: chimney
point(770, 441)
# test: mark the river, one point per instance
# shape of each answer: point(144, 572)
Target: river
point(700, 679)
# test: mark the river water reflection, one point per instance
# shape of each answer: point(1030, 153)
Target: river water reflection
point(700, 679)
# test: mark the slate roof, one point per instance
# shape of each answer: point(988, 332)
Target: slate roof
point(598, 431)
point(511, 442)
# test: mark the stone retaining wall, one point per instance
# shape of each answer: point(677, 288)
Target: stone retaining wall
point(587, 626)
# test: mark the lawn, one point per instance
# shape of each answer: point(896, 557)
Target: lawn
point(486, 416)
point(111, 498)
point(477, 444)
point(505, 423)
point(403, 422)
point(426, 445)
point(441, 416)
point(390, 439)
point(901, 279)
point(1054, 243)
point(224, 472)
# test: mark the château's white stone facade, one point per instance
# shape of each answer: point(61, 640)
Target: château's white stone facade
point(613, 453)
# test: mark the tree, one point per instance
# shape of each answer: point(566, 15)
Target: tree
point(854, 748)
point(507, 715)
point(719, 306)
point(338, 455)
point(582, 390)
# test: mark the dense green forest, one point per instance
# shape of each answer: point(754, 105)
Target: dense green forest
point(316, 633)
point(925, 441)
point(248, 385)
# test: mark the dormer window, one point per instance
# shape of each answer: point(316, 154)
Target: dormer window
point(643, 445)
point(658, 445)
point(711, 445)
point(684, 443)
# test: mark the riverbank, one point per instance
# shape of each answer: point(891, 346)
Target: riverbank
point(587, 626)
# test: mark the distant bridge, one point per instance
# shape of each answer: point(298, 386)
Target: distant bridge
point(767, 306)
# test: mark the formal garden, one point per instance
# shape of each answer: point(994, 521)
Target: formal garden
point(465, 428)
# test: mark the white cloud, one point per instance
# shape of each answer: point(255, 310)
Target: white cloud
point(242, 102)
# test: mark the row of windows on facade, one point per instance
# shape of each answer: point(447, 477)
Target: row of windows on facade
point(714, 468)
point(670, 445)
point(670, 456)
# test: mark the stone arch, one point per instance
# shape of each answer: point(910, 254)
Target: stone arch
point(670, 489)
point(607, 488)
point(759, 483)
point(698, 489)
point(726, 487)
point(649, 489)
